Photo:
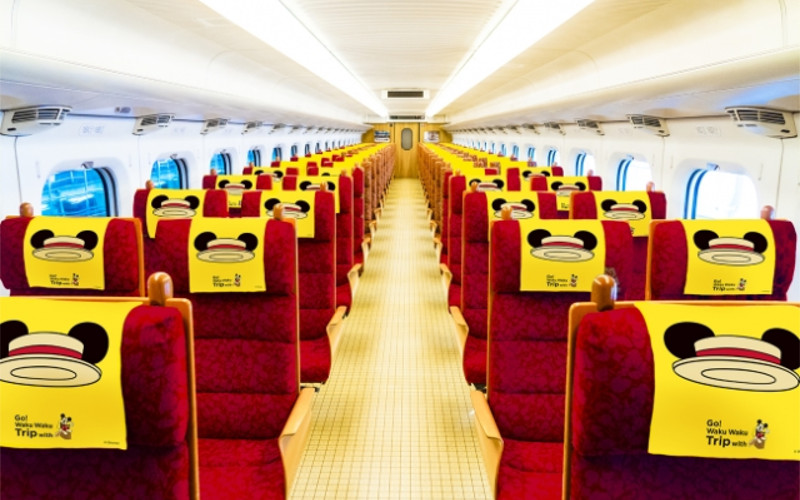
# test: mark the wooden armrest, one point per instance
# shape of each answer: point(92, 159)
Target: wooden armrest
point(447, 278)
point(352, 278)
point(373, 228)
point(294, 436)
point(462, 329)
point(365, 250)
point(488, 436)
point(334, 328)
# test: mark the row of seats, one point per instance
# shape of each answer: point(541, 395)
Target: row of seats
point(244, 435)
point(515, 342)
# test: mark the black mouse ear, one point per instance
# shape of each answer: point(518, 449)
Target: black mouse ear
point(247, 184)
point(223, 183)
point(642, 206)
point(331, 186)
point(158, 200)
point(89, 239)
point(530, 205)
point(759, 241)
point(607, 204)
point(258, 172)
point(304, 185)
point(679, 338)
point(194, 201)
point(498, 203)
point(37, 240)
point(557, 184)
point(536, 236)
point(202, 240)
point(250, 240)
point(270, 203)
point(473, 180)
point(499, 183)
point(589, 240)
point(326, 174)
point(702, 237)
point(304, 206)
point(788, 343)
point(581, 186)
point(526, 174)
point(278, 174)
point(545, 173)
point(95, 341)
point(10, 330)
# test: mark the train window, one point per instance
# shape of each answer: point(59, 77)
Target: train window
point(221, 162)
point(327, 146)
point(515, 151)
point(406, 139)
point(503, 149)
point(308, 149)
point(293, 151)
point(89, 192)
point(531, 152)
point(633, 174)
point(254, 157)
point(169, 173)
point(584, 163)
point(485, 145)
point(318, 149)
point(553, 157)
point(720, 195)
point(276, 154)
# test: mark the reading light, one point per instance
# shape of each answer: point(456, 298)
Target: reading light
point(274, 24)
point(525, 23)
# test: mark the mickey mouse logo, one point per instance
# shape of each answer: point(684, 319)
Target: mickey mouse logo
point(577, 248)
point(735, 362)
point(522, 209)
point(223, 250)
point(297, 210)
point(48, 359)
point(527, 174)
point(65, 426)
point(234, 188)
point(562, 189)
point(175, 208)
point(623, 211)
point(78, 248)
point(260, 171)
point(760, 435)
point(730, 251)
point(310, 186)
point(494, 185)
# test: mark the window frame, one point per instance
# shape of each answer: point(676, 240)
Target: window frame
point(227, 163)
point(182, 171)
point(109, 187)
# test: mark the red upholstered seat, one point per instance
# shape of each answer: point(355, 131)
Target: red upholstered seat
point(317, 282)
point(160, 454)
point(358, 215)
point(610, 427)
point(540, 183)
point(122, 260)
point(247, 357)
point(527, 359)
point(668, 255)
point(584, 206)
point(215, 204)
point(475, 276)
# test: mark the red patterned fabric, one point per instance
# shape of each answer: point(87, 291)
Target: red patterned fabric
point(445, 229)
point(613, 383)
point(456, 187)
point(155, 390)
point(584, 206)
point(358, 214)
point(530, 470)
point(528, 351)
point(668, 271)
point(247, 357)
point(215, 204)
point(475, 275)
point(121, 262)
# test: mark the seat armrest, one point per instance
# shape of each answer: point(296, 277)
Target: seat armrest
point(488, 436)
point(334, 328)
point(352, 278)
point(365, 249)
point(447, 278)
point(373, 227)
point(462, 329)
point(294, 436)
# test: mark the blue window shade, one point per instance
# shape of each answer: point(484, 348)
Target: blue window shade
point(293, 151)
point(503, 149)
point(221, 162)
point(319, 148)
point(515, 151)
point(531, 152)
point(633, 175)
point(308, 149)
point(720, 195)
point(168, 174)
point(552, 157)
point(276, 154)
point(80, 193)
point(254, 157)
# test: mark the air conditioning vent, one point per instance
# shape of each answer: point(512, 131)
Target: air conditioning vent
point(405, 94)
point(407, 118)
point(151, 123)
point(214, 125)
point(27, 121)
point(554, 127)
point(590, 126)
point(764, 121)
point(530, 127)
point(251, 127)
point(650, 124)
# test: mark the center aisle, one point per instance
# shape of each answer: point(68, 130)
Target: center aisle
point(394, 419)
